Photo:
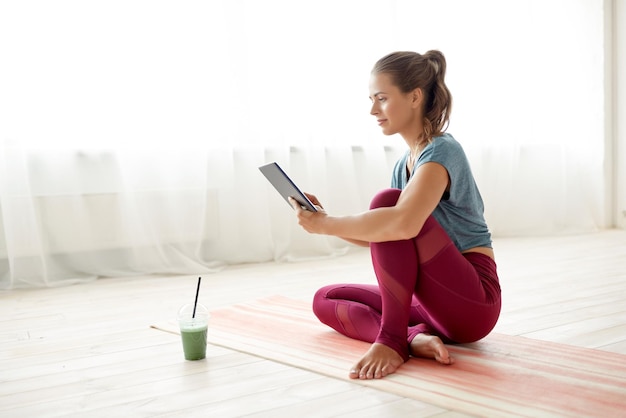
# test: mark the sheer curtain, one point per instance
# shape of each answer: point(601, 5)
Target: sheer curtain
point(131, 131)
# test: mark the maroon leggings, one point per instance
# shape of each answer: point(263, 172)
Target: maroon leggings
point(425, 285)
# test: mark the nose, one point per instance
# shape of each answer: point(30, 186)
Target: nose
point(374, 110)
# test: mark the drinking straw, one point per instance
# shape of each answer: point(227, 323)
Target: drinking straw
point(195, 303)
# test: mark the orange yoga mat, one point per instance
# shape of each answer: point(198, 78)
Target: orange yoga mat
point(500, 375)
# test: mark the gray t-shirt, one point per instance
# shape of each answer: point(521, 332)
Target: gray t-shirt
point(461, 211)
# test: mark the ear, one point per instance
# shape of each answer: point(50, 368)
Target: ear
point(417, 97)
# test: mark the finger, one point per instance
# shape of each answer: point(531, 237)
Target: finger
point(294, 203)
point(313, 199)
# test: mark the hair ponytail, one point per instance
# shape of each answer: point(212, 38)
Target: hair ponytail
point(410, 70)
point(439, 99)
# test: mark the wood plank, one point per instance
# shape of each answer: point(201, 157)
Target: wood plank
point(568, 288)
point(180, 381)
point(492, 376)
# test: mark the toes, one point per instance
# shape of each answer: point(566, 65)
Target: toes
point(374, 372)
point(443, 357)
point(362, 372)
point(384, 372)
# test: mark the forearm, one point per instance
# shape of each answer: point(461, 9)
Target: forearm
point(404, 220)
point(356, 242)
point(376, 225)
point(388, 223)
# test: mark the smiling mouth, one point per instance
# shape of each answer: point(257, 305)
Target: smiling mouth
point(381, 121)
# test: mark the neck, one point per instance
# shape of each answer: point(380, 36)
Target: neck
point(416, 146)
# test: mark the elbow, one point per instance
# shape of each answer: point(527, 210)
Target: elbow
point(405, 235)
point(406, 228)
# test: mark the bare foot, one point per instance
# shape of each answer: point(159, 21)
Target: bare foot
point(378, 362)
point(430, 346)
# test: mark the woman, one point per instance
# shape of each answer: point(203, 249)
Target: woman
point(430, 245)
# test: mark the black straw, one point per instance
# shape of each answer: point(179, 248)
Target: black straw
point(195, 303)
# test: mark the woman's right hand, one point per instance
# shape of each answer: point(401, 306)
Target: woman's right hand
point(312, 222)
point(320, 208)
point(315, 201)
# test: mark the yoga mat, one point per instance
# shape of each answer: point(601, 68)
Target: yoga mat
point(498, 376)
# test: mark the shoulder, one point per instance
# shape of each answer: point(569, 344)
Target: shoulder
point(446, 142)
point(442, 149)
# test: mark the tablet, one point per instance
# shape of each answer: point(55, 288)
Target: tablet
point(283, 185)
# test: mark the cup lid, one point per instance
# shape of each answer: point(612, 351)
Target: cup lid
point(186, 311)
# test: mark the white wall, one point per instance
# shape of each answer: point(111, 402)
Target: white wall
point(84, 86)
point(619, 125)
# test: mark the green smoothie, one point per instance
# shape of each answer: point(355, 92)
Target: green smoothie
point(194, 340)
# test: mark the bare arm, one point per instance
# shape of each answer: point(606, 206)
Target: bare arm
point(319, 206)
point(356, 242)
point(402, 221)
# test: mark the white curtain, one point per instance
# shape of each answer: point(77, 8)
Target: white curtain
point(131, 131)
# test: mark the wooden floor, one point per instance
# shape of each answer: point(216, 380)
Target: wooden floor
point(87, 350)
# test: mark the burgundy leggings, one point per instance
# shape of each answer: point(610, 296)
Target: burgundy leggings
point(425, 285)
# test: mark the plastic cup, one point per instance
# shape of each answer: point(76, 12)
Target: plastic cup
point(193, 330)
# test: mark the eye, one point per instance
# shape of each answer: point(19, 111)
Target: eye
point(381, 99)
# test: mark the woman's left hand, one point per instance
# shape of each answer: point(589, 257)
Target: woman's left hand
point(312, 222)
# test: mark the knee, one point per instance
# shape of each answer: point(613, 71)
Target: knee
point(385, 198)
point(320, 303)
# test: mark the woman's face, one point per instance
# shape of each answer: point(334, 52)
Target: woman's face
point(395, 111)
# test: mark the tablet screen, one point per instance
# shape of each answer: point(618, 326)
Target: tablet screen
point(283, 184)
